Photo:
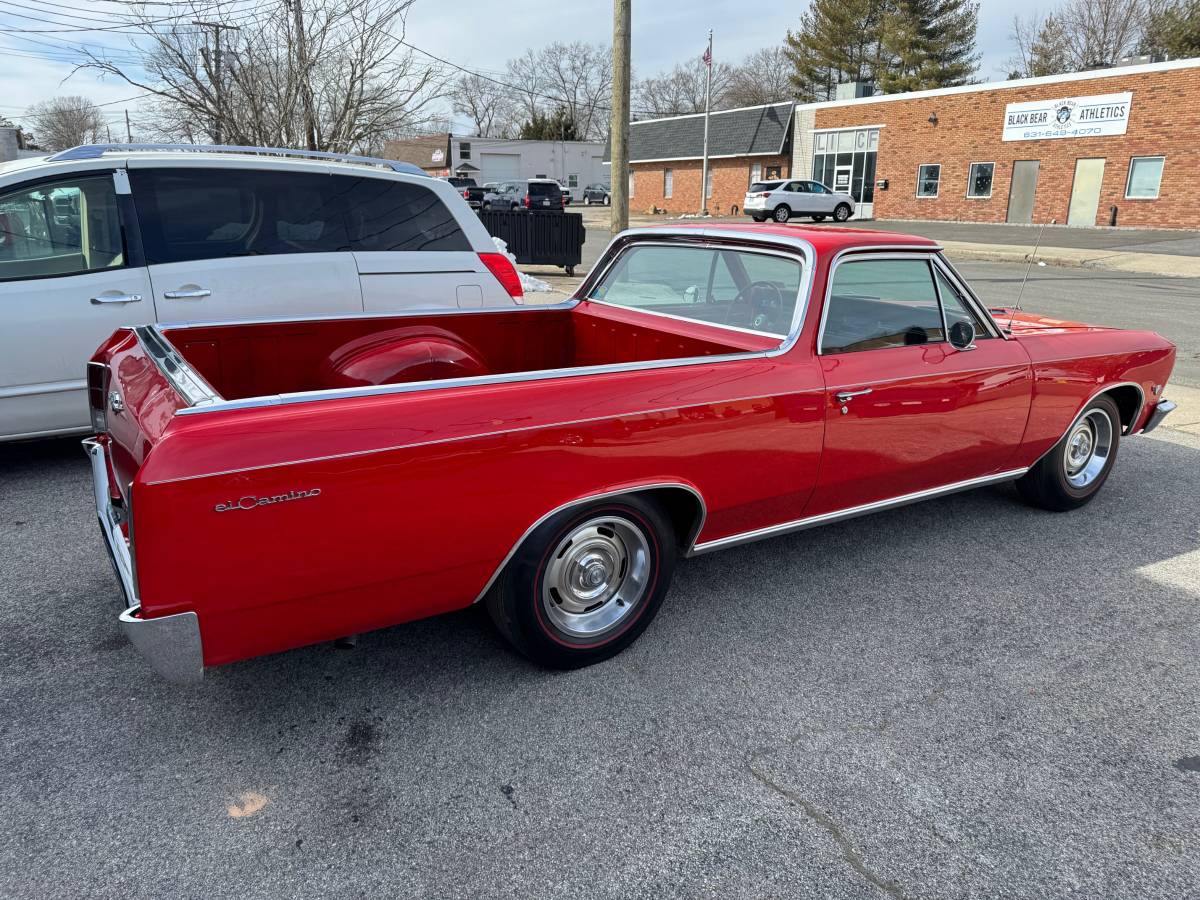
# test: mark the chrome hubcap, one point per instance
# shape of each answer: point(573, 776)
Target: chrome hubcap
point(1088, 448)
point(598, 574)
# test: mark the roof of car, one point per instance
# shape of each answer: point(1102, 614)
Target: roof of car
point(824, 238)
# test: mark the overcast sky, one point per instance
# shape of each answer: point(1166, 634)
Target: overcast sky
point(481, 35)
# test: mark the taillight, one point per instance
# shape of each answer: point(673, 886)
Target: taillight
point(527, 203)
point(98, 375)
point(466, 195)
point(563, 198)
point(506, 273)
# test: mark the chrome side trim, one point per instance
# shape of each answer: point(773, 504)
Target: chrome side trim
point(393, 314)
point(1162, 409)
point(852, 512)
point(110, 523)
point(193, 388)
point(171, 644)
point(601, 496)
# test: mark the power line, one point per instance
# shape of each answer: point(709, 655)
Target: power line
point(108, 103)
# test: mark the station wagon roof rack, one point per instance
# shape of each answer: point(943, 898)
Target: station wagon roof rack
point(95, 151)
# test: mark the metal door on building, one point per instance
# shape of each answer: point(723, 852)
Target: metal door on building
point(1085, 192)
point(1022, 190)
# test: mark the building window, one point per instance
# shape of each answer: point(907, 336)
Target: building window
point(979, 180)
point(755, 172)
point(773, 173)
point(464, 150)
point(631, 182)
point(708, 181)
point(928, 179)
point(573, 180)
point(1145, 175)
point(668, 182)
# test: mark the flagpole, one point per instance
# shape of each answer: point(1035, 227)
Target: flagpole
point(707, 103)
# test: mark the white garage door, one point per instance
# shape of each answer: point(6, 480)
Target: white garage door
point(499, 167)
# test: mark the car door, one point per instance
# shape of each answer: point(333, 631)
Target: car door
point(68, 280)
point(905, 410)
point(244, 243)
point(821, 199)
point(796, 197)
point(411, 251)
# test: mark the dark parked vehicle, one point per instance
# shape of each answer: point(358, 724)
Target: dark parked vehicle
point(470, 191)
point(529, 193)
point(597, 193)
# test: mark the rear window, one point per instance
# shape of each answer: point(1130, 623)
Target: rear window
point(194, 214)
point(544, 189)
point(760, 186)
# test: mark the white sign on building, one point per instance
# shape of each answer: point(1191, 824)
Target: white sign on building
point(1068, 117)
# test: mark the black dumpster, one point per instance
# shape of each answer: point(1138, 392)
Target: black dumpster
point(539, 238)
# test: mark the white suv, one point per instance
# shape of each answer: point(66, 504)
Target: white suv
point(782, 200)
point(103, 236)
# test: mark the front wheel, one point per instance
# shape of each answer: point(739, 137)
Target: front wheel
point(1072, 473)
point(586, 583)
point(842, 212)
point(782, 213)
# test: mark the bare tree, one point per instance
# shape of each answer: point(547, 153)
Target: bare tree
point(487, 103)
point(67, 122)
point(1040, 48)
point(1083, 34)
point(763, 77)
point(681, 90)
point(324, 74)
point(576, 77)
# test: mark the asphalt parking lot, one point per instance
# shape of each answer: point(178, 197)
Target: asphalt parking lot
point(966, 698)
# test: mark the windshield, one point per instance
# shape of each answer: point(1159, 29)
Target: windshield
point(760, 186)
point(740, 288)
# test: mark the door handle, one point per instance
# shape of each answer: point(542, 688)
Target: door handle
point(116, 298)
point(192, 294)
point(846, 396)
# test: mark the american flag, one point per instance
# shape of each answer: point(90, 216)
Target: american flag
point(707, 57)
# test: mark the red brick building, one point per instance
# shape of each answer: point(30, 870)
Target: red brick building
point(1068, 148)
point(744, 145)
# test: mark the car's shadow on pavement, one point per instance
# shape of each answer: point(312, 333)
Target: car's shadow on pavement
point(964, 697)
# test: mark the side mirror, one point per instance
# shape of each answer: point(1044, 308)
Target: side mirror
point(962, 335)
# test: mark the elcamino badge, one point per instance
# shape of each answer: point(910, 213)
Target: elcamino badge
point(253, 502)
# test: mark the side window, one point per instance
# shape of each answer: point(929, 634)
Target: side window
point(385, 215)
point(203, 213)
point(60, 228)
point(797, 187)
point(880, 303)
point(816, 187)
point(956, 307)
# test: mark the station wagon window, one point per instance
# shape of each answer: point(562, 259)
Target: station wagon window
point(979, 179)
point(384, 215)
point(738, 288)
point(928, 180)
point(60, 228)
point(880, 303)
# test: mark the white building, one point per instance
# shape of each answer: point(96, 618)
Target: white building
point(575, 163)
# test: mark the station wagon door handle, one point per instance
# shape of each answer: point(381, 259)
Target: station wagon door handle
point(192, 294)
point(116, 298)
point(846, 396)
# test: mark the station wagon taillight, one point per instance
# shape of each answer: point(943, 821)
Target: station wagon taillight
point(98, 376)
point(506, 273)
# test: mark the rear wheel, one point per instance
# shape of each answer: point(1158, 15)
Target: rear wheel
point(782, 213)
point(585, 583)
point(1072, 473)
point(842, 212)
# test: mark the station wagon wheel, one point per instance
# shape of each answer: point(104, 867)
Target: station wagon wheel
point(1075, 469)
point(586, 583)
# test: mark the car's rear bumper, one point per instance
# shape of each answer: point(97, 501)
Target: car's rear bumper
point(1161, 410)
point(757, 204)
point(171, 644)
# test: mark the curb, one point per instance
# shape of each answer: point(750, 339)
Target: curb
point(1141, 263)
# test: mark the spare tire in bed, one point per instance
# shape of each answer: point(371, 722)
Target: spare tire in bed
point(400, 355)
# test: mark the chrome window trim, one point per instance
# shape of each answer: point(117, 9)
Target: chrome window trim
point(969, 294)
point(793, 326)
point(852, 512)
point(210, 401)
point(911, 251)
point(579, 501)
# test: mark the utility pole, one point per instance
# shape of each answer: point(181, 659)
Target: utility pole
point(218, 80)
point(619, 126)
point(708, 61)
point(128, 129)
point(310, 124)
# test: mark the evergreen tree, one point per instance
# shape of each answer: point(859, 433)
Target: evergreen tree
point(1174, 30)
point(838, 40)
point(555, 126)
point(929, 44)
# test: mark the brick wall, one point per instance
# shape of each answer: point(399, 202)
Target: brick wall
point(1164, 121)
point(731, 177)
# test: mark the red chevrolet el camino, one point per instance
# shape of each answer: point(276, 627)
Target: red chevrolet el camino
point(267, 485)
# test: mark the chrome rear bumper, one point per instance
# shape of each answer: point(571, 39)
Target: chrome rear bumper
point(1161, 410)
point(171, 644)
